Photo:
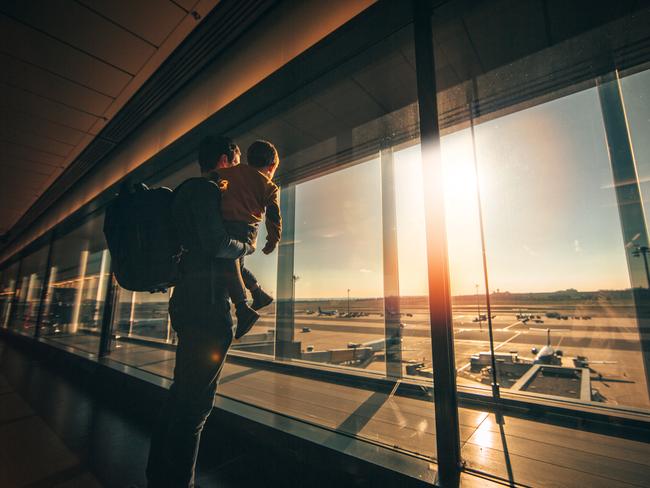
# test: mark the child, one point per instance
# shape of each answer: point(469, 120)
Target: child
point(247, 194)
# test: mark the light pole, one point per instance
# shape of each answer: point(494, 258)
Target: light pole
point(348, 301)
point(478, 309)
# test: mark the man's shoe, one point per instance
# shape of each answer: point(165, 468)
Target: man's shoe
point(260, 299)
point(246, 318)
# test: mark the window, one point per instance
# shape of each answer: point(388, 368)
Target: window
point(7, 291)
point(29, 290)
point(79, 275)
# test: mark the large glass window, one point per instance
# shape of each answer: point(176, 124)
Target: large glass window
point(538, 124)
point(338, 270)
point(351, 268)
point(635, 90)
point(79, 275)
point(7, 290)
point(28, 293)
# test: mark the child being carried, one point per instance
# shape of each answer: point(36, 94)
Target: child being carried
point(248, 195)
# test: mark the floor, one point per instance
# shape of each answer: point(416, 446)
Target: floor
point(521, 452)
point(53, 433)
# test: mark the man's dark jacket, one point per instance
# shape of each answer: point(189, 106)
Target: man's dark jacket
point(200, 298)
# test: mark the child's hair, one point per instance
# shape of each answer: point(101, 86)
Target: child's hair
point(261, 154)
point(211, 149)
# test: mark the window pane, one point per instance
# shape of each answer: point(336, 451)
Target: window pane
point(351, 267)
point(635, 89)
point(338, 267)
point(79, 275)
point(28, 293)
point(7, 293)
point(536, 153)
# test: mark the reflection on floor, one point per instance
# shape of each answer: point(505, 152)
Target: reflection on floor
point(84, 342)
point(526, 452)
point(55, 433)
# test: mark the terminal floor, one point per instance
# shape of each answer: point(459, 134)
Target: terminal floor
point(520, 452)
point(54, 433)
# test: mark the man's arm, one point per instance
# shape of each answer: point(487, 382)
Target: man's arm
point(205, 206)
point(273, 222)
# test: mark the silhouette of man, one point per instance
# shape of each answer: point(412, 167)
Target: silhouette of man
point(200, 314)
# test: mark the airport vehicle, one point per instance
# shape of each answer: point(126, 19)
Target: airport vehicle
point(482, 318)
point(352, 315)
point(556, 315)
point(327, 313)
point(309, 312)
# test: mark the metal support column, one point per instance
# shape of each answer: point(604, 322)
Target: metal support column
point(442, 339)
point(110, 305)
point(44, 287)
point(285, 345)
point(392, 329)
point(9, 317)
point(628, 197)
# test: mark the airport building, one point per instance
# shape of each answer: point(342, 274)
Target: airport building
point(462, 288)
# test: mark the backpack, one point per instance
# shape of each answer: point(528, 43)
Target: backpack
point(142, 239)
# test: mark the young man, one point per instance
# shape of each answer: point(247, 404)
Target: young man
point(248, 196)
point(200, 315)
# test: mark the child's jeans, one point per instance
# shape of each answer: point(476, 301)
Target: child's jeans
point(239, 278)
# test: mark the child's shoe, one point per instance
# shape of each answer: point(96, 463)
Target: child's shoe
point(260, 299)
point(246, 318)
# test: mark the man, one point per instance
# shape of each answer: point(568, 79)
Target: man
point(200, 314)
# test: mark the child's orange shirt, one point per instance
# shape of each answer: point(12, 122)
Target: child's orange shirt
point(248, 195)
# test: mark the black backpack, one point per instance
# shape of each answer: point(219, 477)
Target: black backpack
point(142, 239)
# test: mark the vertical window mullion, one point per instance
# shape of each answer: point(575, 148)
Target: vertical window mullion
point(440, 316)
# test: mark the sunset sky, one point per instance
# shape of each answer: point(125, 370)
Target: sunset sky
point(550, 214)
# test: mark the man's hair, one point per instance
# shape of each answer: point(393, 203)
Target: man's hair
point(261, 154)
point(211, 149)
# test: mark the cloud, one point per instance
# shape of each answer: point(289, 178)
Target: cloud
point(364, 270)
point(331, 235)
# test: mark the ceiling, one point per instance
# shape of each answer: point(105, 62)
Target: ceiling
point(66, 68)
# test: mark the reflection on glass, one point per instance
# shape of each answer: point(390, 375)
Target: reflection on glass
point(28, 293)
point(143, 315)
point(550, 153)
point(635, 90)
point(412, 262)
point(79, 275)
point(7, 291)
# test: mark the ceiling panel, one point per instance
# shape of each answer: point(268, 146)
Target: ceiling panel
point(137, 16)
point(15, 163)
point(39, 49)
point(35, 124)
point(67, 66)
point(186, 4)
point(49, 85)
point(11, 134)
point(72, 23)
point(9, 151)
point(22, 100)
point(16, 197)
point(9, 175)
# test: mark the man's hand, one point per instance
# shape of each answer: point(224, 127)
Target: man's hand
point(269, 248)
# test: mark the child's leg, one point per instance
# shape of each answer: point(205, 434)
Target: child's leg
point(260, 297)
point(235, 283)
point(248, 277)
